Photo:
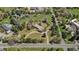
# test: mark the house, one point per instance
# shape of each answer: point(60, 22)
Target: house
point(38, 27)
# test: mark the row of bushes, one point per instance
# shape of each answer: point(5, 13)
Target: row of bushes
point(33, 49)
point(28, 40)
point(52, 49)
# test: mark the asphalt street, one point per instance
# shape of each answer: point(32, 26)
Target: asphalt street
point(39, 45)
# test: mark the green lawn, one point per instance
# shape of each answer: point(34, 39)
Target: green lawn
point(33, 49)
point(37, 18)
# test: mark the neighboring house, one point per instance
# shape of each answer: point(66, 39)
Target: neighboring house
point(36, 9)
point(73, 27)
point(6, 27)
point(75, 22)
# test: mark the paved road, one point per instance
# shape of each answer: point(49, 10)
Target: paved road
point(39, 45)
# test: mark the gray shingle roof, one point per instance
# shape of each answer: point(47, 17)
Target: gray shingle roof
point(6, 27)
